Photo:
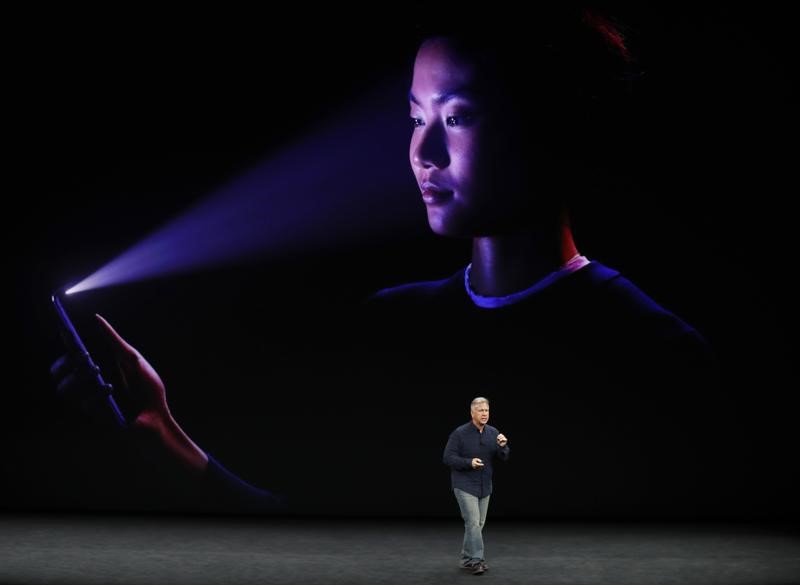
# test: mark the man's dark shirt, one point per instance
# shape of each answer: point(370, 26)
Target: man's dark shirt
point(466, 443)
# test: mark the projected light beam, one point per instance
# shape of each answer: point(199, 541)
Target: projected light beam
point(350, 182)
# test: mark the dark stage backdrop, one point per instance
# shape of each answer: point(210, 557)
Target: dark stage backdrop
point(121, 124)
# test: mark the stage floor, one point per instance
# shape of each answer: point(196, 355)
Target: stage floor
point(122, 549)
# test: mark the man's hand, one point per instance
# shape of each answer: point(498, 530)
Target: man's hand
point(477, 463)
point(501, 440)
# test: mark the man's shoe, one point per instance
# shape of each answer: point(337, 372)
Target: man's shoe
point(485, 565)
point(478, 569)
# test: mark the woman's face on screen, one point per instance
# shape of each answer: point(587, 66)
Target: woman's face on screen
point(472, 178)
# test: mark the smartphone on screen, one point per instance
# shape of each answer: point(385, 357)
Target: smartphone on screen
point(98, 393)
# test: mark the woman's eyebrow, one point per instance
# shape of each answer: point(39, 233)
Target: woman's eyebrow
point(444, 97)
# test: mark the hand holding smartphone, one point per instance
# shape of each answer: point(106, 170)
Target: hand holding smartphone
point(99, 397)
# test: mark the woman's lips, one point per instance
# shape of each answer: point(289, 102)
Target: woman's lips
point(432, 194)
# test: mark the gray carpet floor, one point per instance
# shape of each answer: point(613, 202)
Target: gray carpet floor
point(128, 549)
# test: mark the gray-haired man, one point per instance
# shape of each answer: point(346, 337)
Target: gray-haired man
point(470, 451)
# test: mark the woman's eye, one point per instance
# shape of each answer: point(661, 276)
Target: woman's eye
point(460, 120)
point(416, 122)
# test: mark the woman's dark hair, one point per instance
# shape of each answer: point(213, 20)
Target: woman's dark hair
point(587, 50)
point(569, 71)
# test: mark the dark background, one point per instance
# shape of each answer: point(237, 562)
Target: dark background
point(121, 121)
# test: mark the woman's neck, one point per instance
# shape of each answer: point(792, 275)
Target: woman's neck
point(502, 265)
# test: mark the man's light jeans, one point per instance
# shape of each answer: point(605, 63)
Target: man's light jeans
point(473, 511)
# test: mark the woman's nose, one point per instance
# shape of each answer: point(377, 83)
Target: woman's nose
point(429, 147)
